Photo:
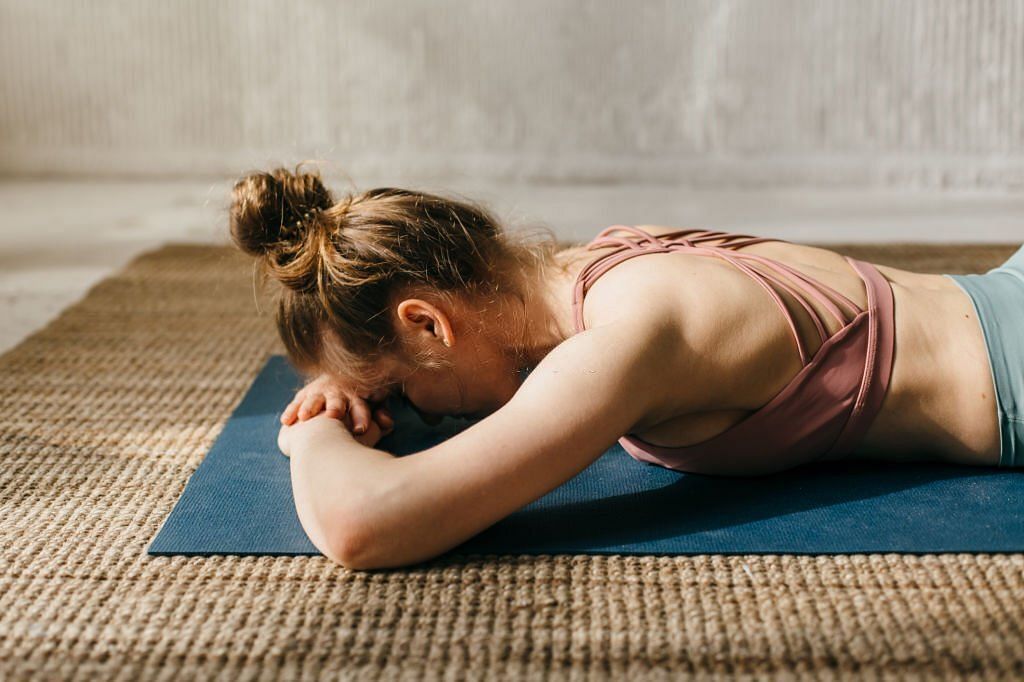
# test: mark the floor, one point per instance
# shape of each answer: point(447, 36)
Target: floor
point(57, 238)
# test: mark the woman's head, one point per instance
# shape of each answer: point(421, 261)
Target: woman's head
point(391, 285)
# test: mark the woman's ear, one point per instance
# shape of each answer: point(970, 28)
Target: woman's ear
point(415, 312)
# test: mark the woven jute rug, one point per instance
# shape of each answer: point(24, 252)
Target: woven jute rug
point(108, 410)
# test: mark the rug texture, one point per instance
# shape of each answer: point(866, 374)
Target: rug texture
point(108, 409)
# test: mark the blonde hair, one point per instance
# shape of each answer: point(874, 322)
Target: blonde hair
point(340, 263)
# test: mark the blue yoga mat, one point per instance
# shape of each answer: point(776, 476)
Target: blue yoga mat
point(239, 501)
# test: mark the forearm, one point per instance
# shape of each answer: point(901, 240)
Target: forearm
point(365, 508)
point(336, 481)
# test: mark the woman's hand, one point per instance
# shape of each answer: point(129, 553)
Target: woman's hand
point(340, 403)
point(291, 434)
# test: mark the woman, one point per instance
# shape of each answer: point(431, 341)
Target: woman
point(714, 353)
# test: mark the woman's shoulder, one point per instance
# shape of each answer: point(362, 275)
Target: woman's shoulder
point(670, 289)
point(727, 336)
point(690, 321)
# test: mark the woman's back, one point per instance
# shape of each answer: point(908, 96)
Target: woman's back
point(739, 345)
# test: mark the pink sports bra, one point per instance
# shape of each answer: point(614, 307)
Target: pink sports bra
point(824, 410)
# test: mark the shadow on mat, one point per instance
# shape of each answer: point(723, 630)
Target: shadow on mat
point(696, 504)
point(592, 511)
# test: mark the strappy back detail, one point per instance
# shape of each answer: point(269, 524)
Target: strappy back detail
point(726, 250)
point(825, 409)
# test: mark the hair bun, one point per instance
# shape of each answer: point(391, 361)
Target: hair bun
point(268, 210)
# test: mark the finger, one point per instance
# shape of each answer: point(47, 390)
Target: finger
point(311, 406)
point(360, 410)
point(336, 405)
point(383, 417)
point(387, 423)
point(290, 412)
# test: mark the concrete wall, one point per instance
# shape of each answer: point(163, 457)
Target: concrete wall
point(885, 93)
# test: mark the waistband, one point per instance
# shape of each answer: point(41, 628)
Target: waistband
point(998, 300)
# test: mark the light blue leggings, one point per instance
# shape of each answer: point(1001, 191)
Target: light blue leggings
point(998, 298)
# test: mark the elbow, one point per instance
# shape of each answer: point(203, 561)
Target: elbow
point(357, 541)
point(350, 547)
point(361, 546)
point(344, 524)
point(344, 543)
point(353, 535)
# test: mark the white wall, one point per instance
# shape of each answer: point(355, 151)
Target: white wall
point(884, 93)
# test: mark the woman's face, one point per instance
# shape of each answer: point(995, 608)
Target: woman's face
point(482, 377)
point(480, 380)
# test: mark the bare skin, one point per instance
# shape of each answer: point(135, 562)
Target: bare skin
point(940, 402)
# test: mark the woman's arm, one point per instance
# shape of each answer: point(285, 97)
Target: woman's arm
point(586, 393)
point(334, 477)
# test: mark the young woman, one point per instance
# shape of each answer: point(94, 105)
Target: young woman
point(712, 353)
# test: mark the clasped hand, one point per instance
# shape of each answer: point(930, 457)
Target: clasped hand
point(365, 421)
